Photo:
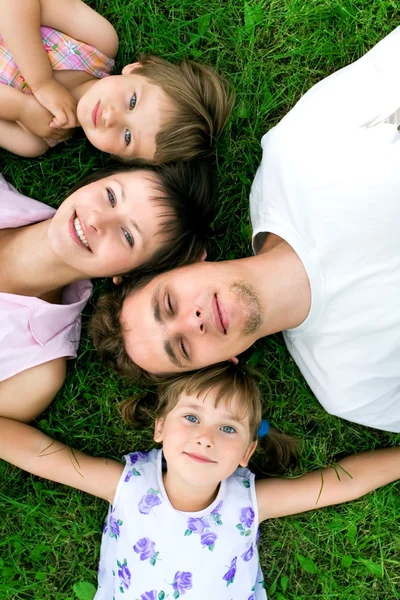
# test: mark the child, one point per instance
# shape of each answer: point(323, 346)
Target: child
point(189, 526)
point(154, 111)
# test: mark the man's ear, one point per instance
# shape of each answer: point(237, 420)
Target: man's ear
point(158, 429)
point(234, 360)
point(117, 280)
point(129, 69)
point(248, 454)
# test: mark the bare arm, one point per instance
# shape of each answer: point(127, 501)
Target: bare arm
point(349, 479)
point(26, 395)
point(31, 450)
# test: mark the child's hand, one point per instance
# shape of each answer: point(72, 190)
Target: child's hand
point(37, 119)
point(59, 102)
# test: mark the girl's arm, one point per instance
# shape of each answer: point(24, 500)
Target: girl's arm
point(35, 452)
point(20, 27)
point(349, 479)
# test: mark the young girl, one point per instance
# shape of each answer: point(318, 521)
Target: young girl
point(118, 220)
point(155, 110)
point(183, 520)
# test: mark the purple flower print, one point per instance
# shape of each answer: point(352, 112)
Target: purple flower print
point(230, 574)
point(149, 595)
point(134, 456)
point(248, 555)
point(148, 501)
point(247, 516)
point(112, 526)
point(182, 583)
point(144, 547)
point(196, 525)
point(217, 508)
point(251, 597)
point(124, 575)
point(208, 539)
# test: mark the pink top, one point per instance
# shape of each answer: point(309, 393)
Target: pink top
point(33, 331)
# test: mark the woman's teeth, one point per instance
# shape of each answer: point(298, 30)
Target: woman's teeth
point(79, 232)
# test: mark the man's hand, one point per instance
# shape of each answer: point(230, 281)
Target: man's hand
point(59, 102)
point(37, 119)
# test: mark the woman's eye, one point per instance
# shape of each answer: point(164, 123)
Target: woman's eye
point(228, 429)
point(128, 137)
point(171, 310)
point(132, 103)
point(191, 418)
point(111, 197)
point(128, 237)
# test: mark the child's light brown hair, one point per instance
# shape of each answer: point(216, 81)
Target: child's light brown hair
point(202, 103)
point(233, 383)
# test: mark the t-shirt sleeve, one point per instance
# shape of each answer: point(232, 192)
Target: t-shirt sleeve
point(362, 94)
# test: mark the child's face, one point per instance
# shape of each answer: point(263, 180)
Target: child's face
point(108, 227)
point(204, 444)
point(122, 114)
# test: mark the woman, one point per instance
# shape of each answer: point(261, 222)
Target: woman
point(119, 220)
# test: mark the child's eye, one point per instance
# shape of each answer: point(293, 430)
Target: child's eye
point(111, 197)
point(228, 429)
point(171, 310)
point(132, 103)
point(191, 418)
point(128, 237)
point(128, 137)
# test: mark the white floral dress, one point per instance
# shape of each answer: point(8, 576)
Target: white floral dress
point(151, 551)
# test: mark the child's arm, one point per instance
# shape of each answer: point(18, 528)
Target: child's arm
point(20, 27)
point(35, 452)
point(349, 479)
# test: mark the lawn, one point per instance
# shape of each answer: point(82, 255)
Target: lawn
point(273, 51)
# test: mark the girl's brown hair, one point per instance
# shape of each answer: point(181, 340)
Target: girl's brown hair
point(202, 102)
point(233, 383)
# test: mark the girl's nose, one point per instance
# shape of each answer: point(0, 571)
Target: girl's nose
point(110, 116)
point(205, 437)
point(98, 221)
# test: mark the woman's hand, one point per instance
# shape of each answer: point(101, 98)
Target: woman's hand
point(59, 102)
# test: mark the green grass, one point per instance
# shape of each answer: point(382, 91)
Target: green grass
point(273, 51)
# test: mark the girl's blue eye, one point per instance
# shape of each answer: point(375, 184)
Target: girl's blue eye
point(128, 237)
point(111, 197)
point(128, 137)
point(132, 103)
point(228, 429)
point(192, 418)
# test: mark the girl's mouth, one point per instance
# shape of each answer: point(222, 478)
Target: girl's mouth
point(96, 114)
point(77, 232)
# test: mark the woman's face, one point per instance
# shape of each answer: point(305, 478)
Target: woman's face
point(110, 226)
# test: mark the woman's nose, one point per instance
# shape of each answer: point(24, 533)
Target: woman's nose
point(98, 221)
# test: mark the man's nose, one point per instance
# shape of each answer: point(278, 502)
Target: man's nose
point(191, 322)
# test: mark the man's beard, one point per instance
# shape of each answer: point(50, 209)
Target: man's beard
point(251, 305)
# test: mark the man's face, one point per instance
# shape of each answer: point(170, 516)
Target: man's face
point(190, 318)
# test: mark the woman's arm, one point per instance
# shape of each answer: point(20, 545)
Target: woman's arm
point(20, 27)
point(349, 479)
point(35, 452)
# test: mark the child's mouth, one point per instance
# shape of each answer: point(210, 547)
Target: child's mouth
point(96, 114)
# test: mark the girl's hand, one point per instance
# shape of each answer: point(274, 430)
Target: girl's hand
point(59, 102)
point(36, 118)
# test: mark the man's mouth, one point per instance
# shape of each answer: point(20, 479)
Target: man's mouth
point(80, 234)
point(220, 316)
point(96, 114)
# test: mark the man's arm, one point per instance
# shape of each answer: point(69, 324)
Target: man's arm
point(349, 479)
point(35, 452)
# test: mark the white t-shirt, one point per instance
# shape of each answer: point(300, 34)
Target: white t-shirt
point(329, 184)
point(152, 551)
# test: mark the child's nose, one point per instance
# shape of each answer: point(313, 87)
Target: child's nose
point(98, 222)
point(110, 116)
point(205, 437)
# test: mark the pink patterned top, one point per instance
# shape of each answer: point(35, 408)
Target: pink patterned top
point(65, 53)
point(33, 331)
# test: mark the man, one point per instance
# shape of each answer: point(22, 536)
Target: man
point(325, 209)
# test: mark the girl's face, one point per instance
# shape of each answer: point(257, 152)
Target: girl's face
point(110, 226)
point(203, 443)
point(122, 114)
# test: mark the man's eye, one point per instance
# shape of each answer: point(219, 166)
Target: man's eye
point(128, 237)
point(132, 103)
point(111, 197)
point(128, 137)
point(191, 418)
point(228, 429)
point(183, 350)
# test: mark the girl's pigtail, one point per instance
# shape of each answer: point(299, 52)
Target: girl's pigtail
point(276, 452)
point(139, 410)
